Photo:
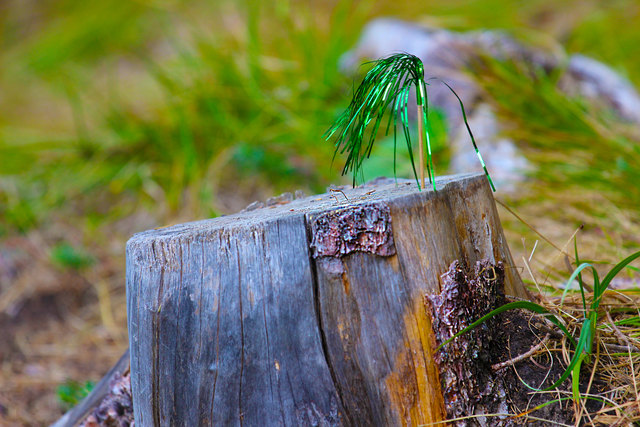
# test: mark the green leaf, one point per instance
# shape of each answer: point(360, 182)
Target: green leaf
point(577, 358)
point(575, 380)
point(72, 392)
point(577, 273)
point(473, 141)
point(617, 268)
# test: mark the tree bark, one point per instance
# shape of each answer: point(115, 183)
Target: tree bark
point(306, 312)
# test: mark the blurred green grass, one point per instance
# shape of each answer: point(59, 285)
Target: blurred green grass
point(575, 144)
point(175, 108)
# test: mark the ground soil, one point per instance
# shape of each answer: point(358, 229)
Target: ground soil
point(51, 339)
point(542, 370)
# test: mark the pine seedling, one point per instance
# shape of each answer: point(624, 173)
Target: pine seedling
point(385, 88)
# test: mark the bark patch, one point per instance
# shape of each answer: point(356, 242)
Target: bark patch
point(116, 409)
point(468, 384)
point(363, 228)
point(471, 389)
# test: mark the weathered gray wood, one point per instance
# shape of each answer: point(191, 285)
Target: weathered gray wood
point(223, 325)
point(282, 316)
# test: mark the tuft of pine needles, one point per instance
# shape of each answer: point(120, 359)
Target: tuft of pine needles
point(386, 87)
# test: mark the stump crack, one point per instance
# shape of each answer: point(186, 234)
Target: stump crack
point(215, 377)
point(176, 357)
point(318, 311)
point(240, 415)
point(155, 361)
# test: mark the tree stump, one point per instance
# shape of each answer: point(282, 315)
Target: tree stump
point(305, 312)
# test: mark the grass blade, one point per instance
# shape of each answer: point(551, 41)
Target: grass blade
point(526, 305)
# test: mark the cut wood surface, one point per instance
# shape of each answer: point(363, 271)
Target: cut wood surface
point(306, 312)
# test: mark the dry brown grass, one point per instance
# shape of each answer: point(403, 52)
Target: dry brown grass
point(542, 247)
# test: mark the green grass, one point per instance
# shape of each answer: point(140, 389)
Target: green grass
point(574, 144)
point(72, 392)
point(229, 106)
point(66, 256)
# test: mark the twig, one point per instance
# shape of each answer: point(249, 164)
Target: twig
point(616, 348)
point(532, 228)
point(336, 190)
point(523, 356)
point(629, 348)
point(619, 333)
point(549, 329)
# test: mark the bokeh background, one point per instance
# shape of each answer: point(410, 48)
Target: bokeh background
point(120, 116)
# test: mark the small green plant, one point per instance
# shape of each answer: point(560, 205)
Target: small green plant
point(66, 256)
point(584, 345)
point(72, 392)
point(386, 87)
